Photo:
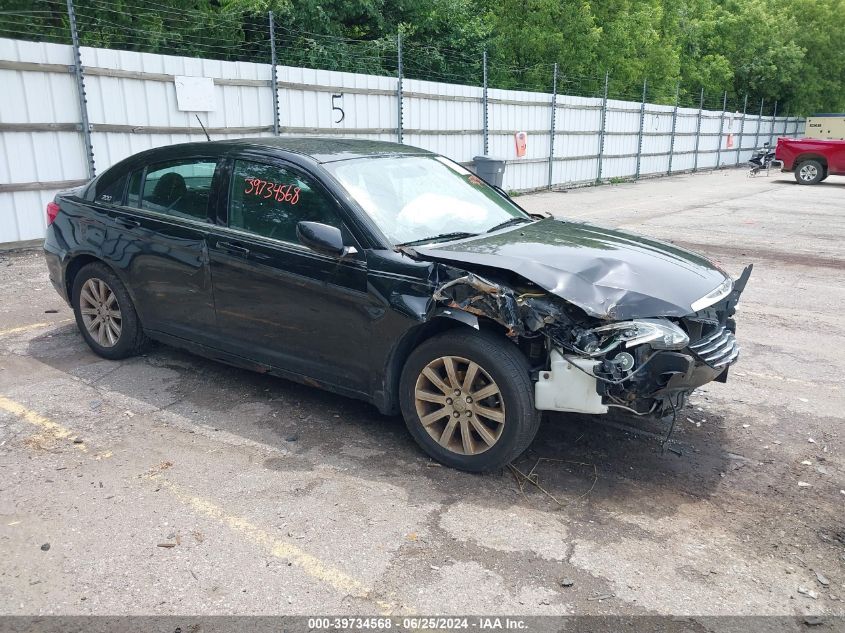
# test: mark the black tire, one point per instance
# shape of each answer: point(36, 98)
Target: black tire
point(131, 339)
point(809, 172)
point(499, 360)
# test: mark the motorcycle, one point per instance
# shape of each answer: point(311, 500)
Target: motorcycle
point(763, 158)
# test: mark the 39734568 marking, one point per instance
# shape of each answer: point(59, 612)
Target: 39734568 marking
point(266, 189)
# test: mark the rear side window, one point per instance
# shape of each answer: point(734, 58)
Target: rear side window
point(270, 201)
point(181, 189)
point(109, 188)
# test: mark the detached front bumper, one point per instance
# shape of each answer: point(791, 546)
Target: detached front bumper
point(664, 380)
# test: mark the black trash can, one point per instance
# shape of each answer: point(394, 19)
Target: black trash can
point(490, 169)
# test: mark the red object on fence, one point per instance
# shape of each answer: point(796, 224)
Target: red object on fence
point(521, 139)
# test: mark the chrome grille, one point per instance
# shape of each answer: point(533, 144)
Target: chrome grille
point(717, 349)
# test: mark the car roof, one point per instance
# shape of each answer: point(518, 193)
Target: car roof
point(319, 149)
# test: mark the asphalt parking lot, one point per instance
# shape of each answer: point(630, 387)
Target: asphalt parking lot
point(171, 484)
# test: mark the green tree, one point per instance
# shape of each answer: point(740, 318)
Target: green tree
point(787, 51)
point(528, 36)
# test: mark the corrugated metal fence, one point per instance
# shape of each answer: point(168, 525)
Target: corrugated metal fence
point(131, 106)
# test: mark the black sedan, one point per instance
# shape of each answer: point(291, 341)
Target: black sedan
point(391, 274)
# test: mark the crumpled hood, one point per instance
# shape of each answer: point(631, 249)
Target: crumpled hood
point(607, 273)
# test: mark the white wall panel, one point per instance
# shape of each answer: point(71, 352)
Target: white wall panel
point(51, 156)
point(445, 118)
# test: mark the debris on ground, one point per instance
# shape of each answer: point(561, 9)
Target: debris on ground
point(804, 484)
point(166, 545)
point(808, 592)
point(567, 582)
point(823, 581)
point(45, 547)
point(534, 478)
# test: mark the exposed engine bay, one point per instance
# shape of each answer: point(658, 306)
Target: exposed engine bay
point(646, 366)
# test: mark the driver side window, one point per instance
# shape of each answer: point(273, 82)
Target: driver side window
point(270, 201)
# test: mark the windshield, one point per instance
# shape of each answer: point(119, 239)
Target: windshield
point(419, 198)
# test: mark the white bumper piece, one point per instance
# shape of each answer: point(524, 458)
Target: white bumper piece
point(566, 388)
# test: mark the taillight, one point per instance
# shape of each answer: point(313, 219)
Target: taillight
point(52, 212)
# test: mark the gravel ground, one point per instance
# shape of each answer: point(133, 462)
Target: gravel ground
point(170, 484)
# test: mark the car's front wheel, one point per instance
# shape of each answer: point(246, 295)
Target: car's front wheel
point(468, 400)
point(105, 314)
point(809, 172)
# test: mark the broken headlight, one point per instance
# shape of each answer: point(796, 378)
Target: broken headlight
point(714, 296)
point(659, 333)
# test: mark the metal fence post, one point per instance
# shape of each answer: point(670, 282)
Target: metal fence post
point(399, 85)
point(721, 129)
point(741, 130)
point(698, 132)
point(601, 131)
point(674, 128)
point(640, 134)
point(759, 121)
point(273, 78)
point(552, 124)
point(772, 126)
point(80, 91)
point(486, 131)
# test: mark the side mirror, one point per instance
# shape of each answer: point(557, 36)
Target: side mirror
point(323, 239)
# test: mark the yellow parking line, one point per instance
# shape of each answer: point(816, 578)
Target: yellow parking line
point(32, 326)
point(308, 563)
point(50, 430)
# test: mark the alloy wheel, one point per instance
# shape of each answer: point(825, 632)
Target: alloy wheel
point(459, 405)
point(100, 312)
point(808, 172)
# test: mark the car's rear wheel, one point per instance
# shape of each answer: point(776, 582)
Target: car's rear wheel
point(105, 314)
point(468, 400)
point(809, 172)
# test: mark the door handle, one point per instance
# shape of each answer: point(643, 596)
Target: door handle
point(127, 223)
point(233, 249)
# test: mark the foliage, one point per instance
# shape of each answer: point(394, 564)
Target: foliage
point(772, 50)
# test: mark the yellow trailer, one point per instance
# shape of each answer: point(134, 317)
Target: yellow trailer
point(826, 126)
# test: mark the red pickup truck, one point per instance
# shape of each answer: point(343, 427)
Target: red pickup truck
point(811, 159)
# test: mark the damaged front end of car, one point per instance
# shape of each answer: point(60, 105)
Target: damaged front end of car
point(588, 364)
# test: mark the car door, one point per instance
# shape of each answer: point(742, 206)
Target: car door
point(167, 214)
point(277, 301)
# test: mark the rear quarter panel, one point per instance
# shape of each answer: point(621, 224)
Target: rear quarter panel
point(82, 230)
